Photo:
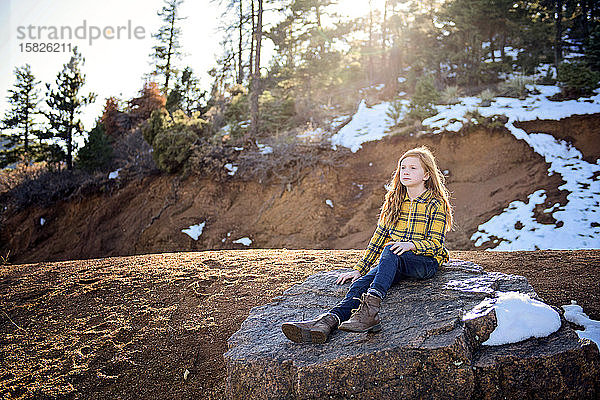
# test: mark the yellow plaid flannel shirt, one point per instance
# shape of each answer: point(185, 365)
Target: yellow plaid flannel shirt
point(422, 222)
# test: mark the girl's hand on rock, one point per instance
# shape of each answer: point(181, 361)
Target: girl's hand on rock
point(401, 247)
point(344, 276)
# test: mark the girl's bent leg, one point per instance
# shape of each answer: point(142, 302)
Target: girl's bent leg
point(344, 308)
point(416, 266)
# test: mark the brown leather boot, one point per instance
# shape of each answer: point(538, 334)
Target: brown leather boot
point(315, 330)
point(365, 319)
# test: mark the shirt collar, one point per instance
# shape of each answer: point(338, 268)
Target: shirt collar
point(422, 198)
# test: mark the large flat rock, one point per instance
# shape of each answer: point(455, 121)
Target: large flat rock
point(427, 349)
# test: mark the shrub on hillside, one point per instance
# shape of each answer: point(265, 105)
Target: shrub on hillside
point(172, 149)
point(172, 138)
point(486, 97)
point(156, 123)
point(450, 95)
point(276, 112)
point(237, 110)
point(395, 111)
point(577, 79)
point(515, 87)
point(422, 103)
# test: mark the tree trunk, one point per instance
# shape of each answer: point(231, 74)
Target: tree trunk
point(321, 42)
point(384, 34)
point(558, 39)
point(240, 66)
point(251, 65)
point(27, 127)
point(70, 142)
point(168, 66)
point(370, 64)
point(585, 11)
point(255, 84)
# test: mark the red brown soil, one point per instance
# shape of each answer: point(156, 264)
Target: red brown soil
point(581, 131)
point(487, 169)
point(129, 327)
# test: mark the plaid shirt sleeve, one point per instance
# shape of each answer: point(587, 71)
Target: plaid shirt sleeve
point(436, 232)
point(374, 249)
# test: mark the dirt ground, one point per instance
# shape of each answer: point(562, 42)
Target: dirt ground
point(130, 327)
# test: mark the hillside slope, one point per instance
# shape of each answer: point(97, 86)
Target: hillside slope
point(486, 170)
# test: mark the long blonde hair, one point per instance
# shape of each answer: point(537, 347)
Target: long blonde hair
point(390, 210)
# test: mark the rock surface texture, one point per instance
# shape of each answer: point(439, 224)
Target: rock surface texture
point(430, 347)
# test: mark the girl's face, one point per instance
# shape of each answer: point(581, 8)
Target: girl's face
point(412, 174)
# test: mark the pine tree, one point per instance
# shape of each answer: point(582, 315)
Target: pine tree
point(592, 49)
point(191, 94)
point(18, 125)
point(65, 104)
point(168, 48)
point(97, 152)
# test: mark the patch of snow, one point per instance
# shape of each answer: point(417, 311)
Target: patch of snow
point(238, 148)
point(264, 149)
point(225, 130)
point(520, 317)
point(370, 164)
point(245, 241)
point(401, 79)
point(574, 313)
point(580, 217)
point(329, 203)
point(42, 221)
point(114, 174)
point(225, 238)
point(368, 124)
point(194, 231)
point(231, 168)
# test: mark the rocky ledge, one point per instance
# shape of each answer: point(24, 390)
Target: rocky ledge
point(430, 347)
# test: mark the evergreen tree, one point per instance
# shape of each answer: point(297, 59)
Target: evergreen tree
point(191, 94)
point(97, 152)
point(592, 49)
point(18, 125)
point(168, 48)
point(65, 104)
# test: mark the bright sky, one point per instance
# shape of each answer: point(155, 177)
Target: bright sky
point(113, 67)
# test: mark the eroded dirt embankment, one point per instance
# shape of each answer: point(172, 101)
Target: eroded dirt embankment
point(487, 169)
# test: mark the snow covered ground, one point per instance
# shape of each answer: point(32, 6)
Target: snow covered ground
point(591, 329)
point(578, 222)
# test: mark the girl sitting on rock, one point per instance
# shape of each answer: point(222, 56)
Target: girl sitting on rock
point(408, 243)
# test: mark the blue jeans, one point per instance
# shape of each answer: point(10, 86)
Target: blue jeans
point(390, 270)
